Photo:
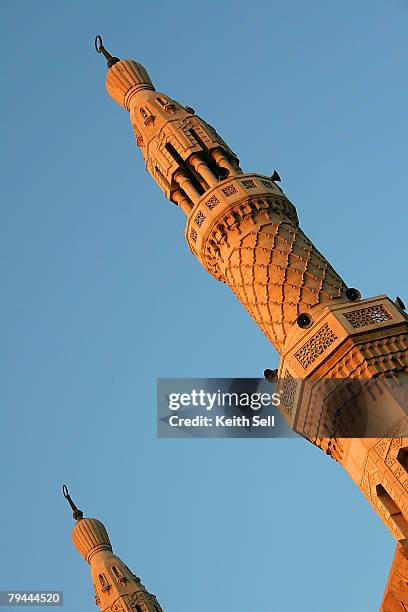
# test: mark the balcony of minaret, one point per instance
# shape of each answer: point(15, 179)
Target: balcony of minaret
point(197, 175)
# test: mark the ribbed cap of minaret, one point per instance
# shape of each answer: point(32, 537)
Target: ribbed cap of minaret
point(124, 79)
point(90, 536)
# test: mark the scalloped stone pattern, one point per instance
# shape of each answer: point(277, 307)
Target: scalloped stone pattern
point(276, 272)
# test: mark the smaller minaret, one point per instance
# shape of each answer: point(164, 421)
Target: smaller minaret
point(117, 589)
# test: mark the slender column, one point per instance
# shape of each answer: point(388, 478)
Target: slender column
point(185, 183)
point(183, 202)
point(201, 167)
point(223, 162)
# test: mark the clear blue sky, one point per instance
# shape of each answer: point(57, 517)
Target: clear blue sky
point(100, 295)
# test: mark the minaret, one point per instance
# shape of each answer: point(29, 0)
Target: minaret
point(117, 589)
point(245, 232)
point(233, 219)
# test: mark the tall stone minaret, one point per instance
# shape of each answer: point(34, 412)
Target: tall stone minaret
point(116, 588)
point(245, 232)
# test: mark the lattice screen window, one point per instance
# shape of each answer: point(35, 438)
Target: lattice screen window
point(212, 202)
point(288, 392)
point(230, 190)
point(315, 346)
point(249, 184)
point(199, 218)
point(367, 316)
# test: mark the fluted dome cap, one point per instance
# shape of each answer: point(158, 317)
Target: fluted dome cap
point(124, 79)
point(89, 536)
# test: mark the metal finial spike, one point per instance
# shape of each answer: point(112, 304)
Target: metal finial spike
point(101, 49)
point(77, 514)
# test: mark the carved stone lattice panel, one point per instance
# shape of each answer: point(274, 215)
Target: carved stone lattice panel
point(249, 184)
point(229, 191)
point(367, 316)
point(287, 392)
point(199, 218)
point(315, 346)
point(212, 202)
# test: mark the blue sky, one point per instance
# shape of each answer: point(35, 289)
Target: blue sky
point(100, 295)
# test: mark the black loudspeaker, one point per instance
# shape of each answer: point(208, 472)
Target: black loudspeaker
point(304, 320)
point(271, 375)
point(353, 294)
